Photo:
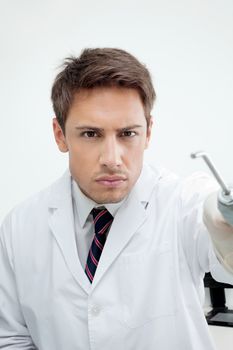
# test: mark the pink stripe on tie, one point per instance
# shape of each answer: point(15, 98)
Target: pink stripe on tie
point(105, 227)
point(89, 273)
point(98, 243)
point(99, 215)
point(93, 258)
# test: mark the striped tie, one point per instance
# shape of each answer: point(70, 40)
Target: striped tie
point(102, 221)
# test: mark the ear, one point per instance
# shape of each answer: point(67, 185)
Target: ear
point(148, 132)
point(59, 136)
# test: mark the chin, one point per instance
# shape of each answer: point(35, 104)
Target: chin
point(110, 199)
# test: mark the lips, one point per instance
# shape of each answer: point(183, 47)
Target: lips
point(111, 181)
point(111, 178)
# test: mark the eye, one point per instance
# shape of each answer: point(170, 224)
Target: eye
point(89, 134)
point(128, 133)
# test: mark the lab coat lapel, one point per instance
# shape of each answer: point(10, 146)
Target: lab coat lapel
point(61, 223)
point(129, 217)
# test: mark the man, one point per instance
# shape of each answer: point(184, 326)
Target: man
point(112, 255)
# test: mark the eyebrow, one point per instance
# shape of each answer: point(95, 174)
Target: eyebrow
point(88, 127)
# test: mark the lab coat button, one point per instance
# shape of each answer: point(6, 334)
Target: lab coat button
point(95, 310)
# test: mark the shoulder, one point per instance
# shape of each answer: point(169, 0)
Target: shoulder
point(192, 188)
point(37, 204)
point(163, 178)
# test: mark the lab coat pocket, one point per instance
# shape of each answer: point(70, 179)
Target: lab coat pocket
point(147, 288)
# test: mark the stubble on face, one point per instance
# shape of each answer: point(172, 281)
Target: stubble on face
point(110, 195)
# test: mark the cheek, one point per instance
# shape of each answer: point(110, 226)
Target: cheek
point(83, 161)
point(81, 152)
point(135, 152)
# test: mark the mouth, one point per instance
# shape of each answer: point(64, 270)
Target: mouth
point(111, 181)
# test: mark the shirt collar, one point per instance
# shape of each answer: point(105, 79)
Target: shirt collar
point(84, 205)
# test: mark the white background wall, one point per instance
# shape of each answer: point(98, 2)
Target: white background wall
point(187, 45)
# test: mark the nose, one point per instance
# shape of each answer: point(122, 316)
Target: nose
point(111, 153)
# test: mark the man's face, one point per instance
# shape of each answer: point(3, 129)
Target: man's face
point(105, 134)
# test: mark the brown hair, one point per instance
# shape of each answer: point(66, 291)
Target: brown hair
point(100, 67)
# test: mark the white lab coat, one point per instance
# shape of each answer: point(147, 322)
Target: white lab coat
point(148, 287)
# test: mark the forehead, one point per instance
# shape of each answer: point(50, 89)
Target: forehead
point(109, 103)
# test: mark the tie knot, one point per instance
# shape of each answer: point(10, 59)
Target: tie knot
point(102, 220)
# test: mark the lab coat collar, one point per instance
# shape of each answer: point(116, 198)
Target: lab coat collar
point(149, 176)
point(61, 222)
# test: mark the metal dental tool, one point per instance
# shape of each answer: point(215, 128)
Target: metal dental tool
point(204, 155)
point(225, 197)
